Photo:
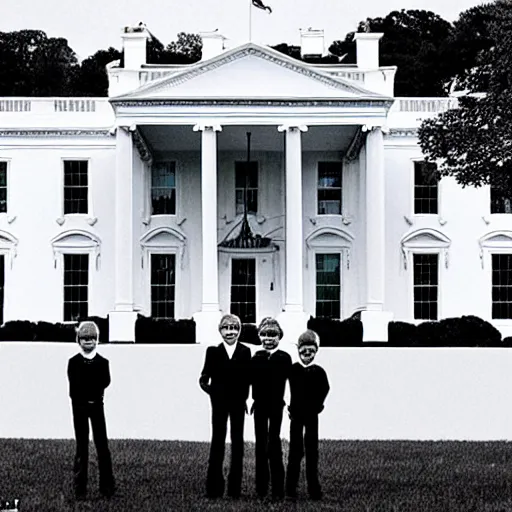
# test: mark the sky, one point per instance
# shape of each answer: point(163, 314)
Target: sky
point(90, 25)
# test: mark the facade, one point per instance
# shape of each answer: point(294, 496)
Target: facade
point(248, 182)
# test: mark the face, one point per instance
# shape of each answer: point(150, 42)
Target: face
point(269, 338)
point(307, 353)
point(230, 332)
point(88, 343)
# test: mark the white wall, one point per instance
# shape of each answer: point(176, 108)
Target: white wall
point(417, 394)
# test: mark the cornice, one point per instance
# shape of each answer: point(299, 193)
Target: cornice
point(225, 58)
point(363, 102)
point(54, 133)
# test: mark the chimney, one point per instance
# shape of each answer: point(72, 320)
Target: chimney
point(367, 49)
point(311, 43)
point(134, 45)
point(213, 44)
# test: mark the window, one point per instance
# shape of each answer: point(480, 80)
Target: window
point(425, 188)
point(75, 186)
point(243, 289)
point(502, 286)
point(501, 202)
point(163, 188)
point(328, 285)
point(3, 187)
point(329, 188)
point(246, 176)
point(163, 285)
point(426, 280)
point(76, 286)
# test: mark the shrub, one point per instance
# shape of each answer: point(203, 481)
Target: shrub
point(507, 342)
point(402, 334)
point(18, 330)
point(46, 331)
point(249, 334)
point(152, 330)
point(337, 333)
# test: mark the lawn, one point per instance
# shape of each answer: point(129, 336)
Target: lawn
point(357, 476)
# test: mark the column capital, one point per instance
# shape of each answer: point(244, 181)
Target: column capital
point(375, 127)
point(202, 127)
point(292, 128)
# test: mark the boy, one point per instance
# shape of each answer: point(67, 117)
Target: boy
point(225, 378)
point(89, 375)
point(309, 387)
point(269, 372)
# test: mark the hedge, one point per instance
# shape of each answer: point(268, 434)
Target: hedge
point(465, 331)
point(337, 333)
point(159, 330)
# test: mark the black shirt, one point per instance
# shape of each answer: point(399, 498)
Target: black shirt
point(88, 378)
point(309, 387)
point(269, 373)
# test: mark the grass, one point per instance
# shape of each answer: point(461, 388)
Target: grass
point(357, 476)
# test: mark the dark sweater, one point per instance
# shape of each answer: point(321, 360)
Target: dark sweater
point(226, 379)
point(88, 378)
point(309, 387)
point(268, 377)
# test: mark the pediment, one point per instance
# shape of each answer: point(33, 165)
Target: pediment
point(252, 72)
point(425, 238)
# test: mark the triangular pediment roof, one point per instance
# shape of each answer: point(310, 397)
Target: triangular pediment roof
point(254, 72)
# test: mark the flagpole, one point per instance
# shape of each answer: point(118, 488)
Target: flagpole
point(250, 21)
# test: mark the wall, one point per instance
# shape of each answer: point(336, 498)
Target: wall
point(376, 393)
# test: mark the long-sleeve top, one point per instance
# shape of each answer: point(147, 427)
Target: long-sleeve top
point(309, 387)
point(224, 378)
point(88, 378)
point(269, 373)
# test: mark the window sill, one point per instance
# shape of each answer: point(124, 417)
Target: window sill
point(90, 220)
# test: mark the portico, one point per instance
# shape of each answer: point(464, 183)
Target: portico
point(198, 119)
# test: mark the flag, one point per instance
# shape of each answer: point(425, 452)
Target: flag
point(260, 5)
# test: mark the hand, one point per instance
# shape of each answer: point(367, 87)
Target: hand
point(205, 387)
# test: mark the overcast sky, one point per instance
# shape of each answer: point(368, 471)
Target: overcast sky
point(90, 25)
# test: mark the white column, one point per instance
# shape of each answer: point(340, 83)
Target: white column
point(122, 319)
point(207, 319)
point(293, 317)
point(375, 320)
point(375, 220)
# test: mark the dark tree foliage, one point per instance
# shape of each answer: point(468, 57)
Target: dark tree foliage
point(187, 49)
point(91, 78)
point(32, 64)
point(294, 51)
point(473, 143)
point(415, 41)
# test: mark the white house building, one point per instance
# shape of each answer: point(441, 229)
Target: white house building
point(248, 182)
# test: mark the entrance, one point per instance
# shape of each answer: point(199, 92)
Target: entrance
point(243, 289)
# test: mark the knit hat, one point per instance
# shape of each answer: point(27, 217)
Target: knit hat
point(310, 338)
point(87, 329)
point(271, 324)
point(230, 319)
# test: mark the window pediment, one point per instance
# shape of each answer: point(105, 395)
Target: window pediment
point(495, 241)
point(425, 240)
point(74, 242)
point(8, 245)
point(163, 239)
point(330, 238)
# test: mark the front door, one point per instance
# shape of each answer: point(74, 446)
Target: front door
point(243, 289)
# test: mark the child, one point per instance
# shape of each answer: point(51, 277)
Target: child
point(308, 388)
point(269, 372)
point(225, 377)
point(89, 375)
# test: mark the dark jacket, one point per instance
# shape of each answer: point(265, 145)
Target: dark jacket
point(269, 376)
point(88, 378)
point(224, 378)
point(309, 387)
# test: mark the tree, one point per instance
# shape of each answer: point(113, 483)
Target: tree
point(186, 49)
point(415, 41)
point(91, 78)
point(473, 143)
point(34, 65)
